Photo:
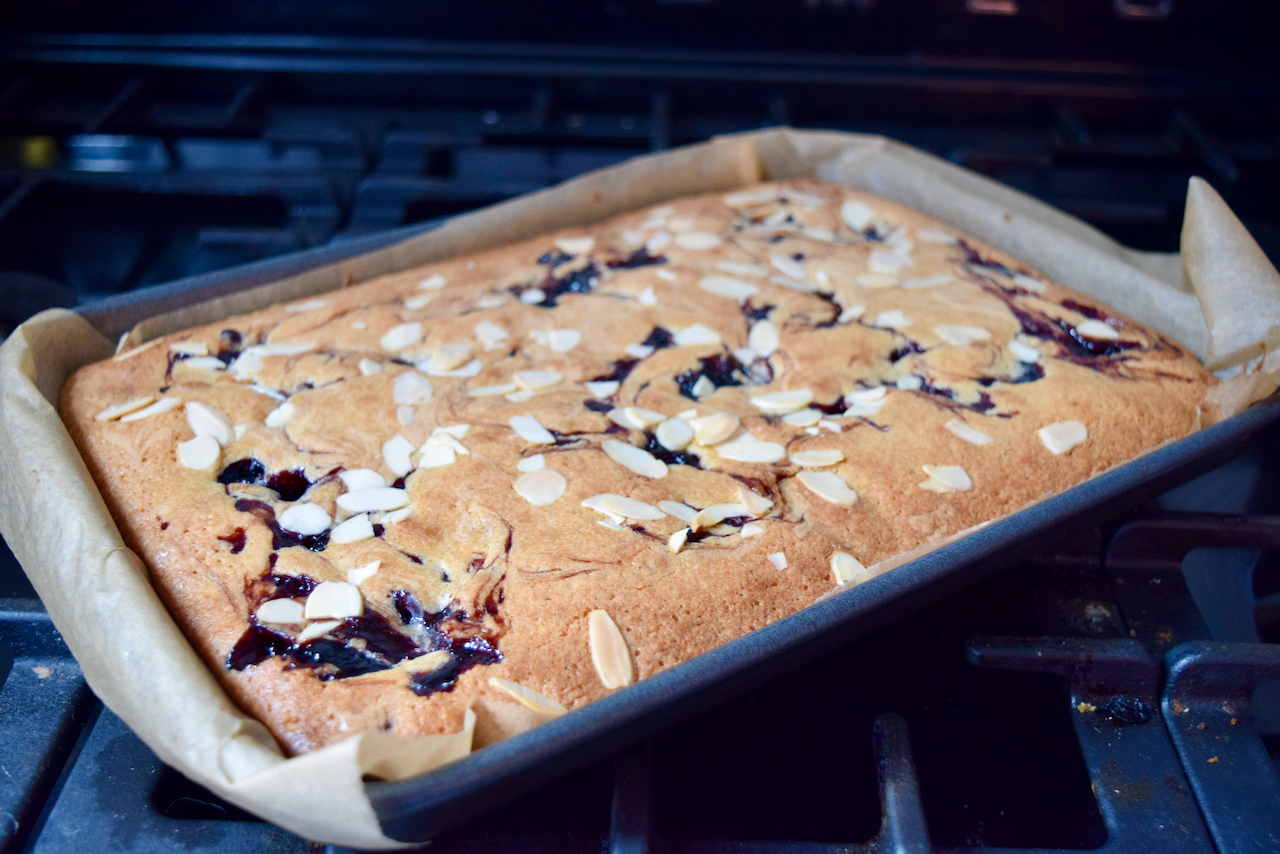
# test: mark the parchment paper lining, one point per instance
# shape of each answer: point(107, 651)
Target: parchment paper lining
point(1221, 298)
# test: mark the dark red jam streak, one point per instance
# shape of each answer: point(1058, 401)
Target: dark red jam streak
point(756, 313)
point(231, 341)
point(280, 538)
point(237, 540)
point(639, 258)
point(722, 370)
point(668, 456)
point(289, 485)
point(465, 650)
point(581, 281)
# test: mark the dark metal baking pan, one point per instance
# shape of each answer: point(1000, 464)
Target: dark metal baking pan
point(415, 809)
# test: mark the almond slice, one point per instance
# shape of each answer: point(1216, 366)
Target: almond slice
point(717, 513)
point(634, 418)
point(725, 286)
point(753, 501)
point(307, 519)
point(373, 500)
point(751, 450)
point(201, 363)
point(696, 334)
point(490, 334)
point(876, 280)
point(541, 487)
point(397, 515)
point(817, 457)
point(353, 530)
point(703, 387)
point(537, 379)
point(857, 215)
point(411, 389)
point(751, 529)
point(953, 478)
point(280, 611)
point(964, 431)
point(1030, 283)
point(929, 235)
point(280, 416)
point(528, 428)
point(738, 268)
point(891, 320)
point(1023, 352)
point(537, 703)
point(111, 413)
point(677, 540)
point(334, 600)
point(575, 245)
point(532, 463)
point(141, 348)
point(564, 340)
point(683, 512)
point(609, 652)
point(639, 351)
point(782, 402)
point(763, 338)
point(788, 266)
point(450, 357)
point(189, 348)
point(845, 568)
point(533, 296)
point(1062, 436)
point(638, 460)
point(647, 296)
point(961, 336)
point(402, 335)
point(698, 240)
point(715, 428)
point(490, 390)
point(164, 404)
point(420, 301)
point(316, 630)
point(433, 282)
point(927, 281)
point(1097, 330)
point(358, 479)
point(200, 453)
point(778, 559)
point(802, 418)
point(612, 504)
point(396, 452)
point(674, 434)
point(601, 389)
point(369, 367)
point(360, 574)
point(828, 486)
point(437, 456)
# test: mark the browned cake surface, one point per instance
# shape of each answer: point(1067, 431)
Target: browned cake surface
point(920, 368)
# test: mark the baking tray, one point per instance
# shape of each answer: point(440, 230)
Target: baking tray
point(415, 809)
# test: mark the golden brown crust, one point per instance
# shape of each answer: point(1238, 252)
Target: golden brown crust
point(848, 318)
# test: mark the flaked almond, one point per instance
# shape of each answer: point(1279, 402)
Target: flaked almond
point(857, 215)
point(528, 428)
point(315, 630)
point(523, 396)
point(747, 198)
point(129, 354)
point(715, 514)
point(405, 415)
point(698, 240)
point(753, 501)
point(358, 479)
point(910, 382)
point(1024, 353)
point(575, 245)
point(532, 463)
point(533, 296)
point(450, 357)
point(360, 574)
point(334, 600)
point(891, 320)
point(469, 369)
point(564, 340)
point(788, 266)
point(969, 434)
point(535, 702)
point(623, 507)
point(280, 611)
point(411, 389)
point(725, 286)
point(111, 413)
point(927, 281)
point(634, 418)
point(433, 282)
point(201, 363)
point(674, 434)
point(781, 402)
point(845, 568)
point(306, 519)
point(876, 280)
point(751, 450)
point(954, 478)
point(535, 380)
point(677, 540)
point(1029, 283)
point(490, 334)
point(200, 453)
point(930, 235)
point(802, 418)
point(540, 487)
point(638, 460)
point(778, 559)
point(491, 390)
point(418, 302)
point(817, 457)
point(888, 262)
point(1062, 436)
point(692, 336)
point(162, 405)
point(1097, 330)
point(379, 498)
point(683, 512)
point(397, 515)
point(189, 348)
point(828, 486)
point(647, 296)
point(866, 395)
point(738, 268)
point(396, 452)
point(763, 338)
point(281, 415)
point(703, 387)
point(792, 284)
point(601, 389)
point(369, 367)
point(714, 429)
point(353, 530)
point(437, 456)
point(402, 335)
point(639, 351)
point(961, 336)
point(751, 529)
point(609, 652)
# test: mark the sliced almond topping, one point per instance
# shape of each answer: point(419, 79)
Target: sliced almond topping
point(751, 450)
point(927, 281)
point(817, 457)
point(533, 296)
point(696, 334)
point(866, 395)
point(623, 507)
point(751, 529)
point(876, 280)
point(437, 456)
point(528, 428)
point(828, 486)
point(201, 363)
point(727, 287)
point(715, 514)
point(788, 266)
point(490, 334)
point(189, 348)
point(405, 415)
point(929, 235)
point(677, 540)
point(1062, 436)
point(1030, 283)
point(353, 530)
point(280, 611)
point(845, 568)
point(639, 351)
point(306, 519)
point(522, 396)
point(611, 525)
point(703, 387)
point(738, 268)
point(778, 559)
point(1023, 352)
point(781, 402)
point(533, 701)
point(164, 404)
point(638, 460)
point(540, 487)
point(792, 284)
point(532, 463)
point(674, 434)
point(318, 629)
point(373, 500)
point(891, 320)
point(961, 336)
point(888, 262)
point(450, 357)
point(432, 283)
point(575, 245)
point(763, 338)
point(358, 479)
point(280, 416)
point(634, 418)
point(564, 340)
point(713, 429)
point(833, 426)
point(683, 512)
point(601, 389)
point(857, 215)
point(360, 574)
point(490, 390)
point(698, 240)
point(396, 452)
point(747, 198)
point(111, 413)
point(1097, 330)
point(491, 301)
point(369, 367)
point(240, 429)
point(411, 389)
point(401, 336)
point(534, 380)
point(202, 452)
point(647, 296)
point(964, 431)
point(397, 516)
point(753, 501)
point(954, 478)
point(609, 652)
point(334, 600)
point(802, 418)
point(415, 303)
point(141, 348)
point(910, 382)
